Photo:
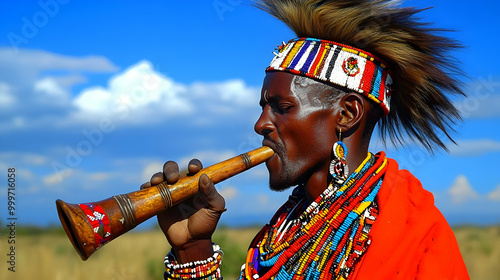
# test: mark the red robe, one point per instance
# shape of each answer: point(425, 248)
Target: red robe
point(410, 238)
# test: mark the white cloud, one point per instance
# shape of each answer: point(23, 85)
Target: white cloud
point(229, 192)
point(34, 159)
point(141, 95)
point(49, 91)
point(80, 180)
point(53, 180)
point(137, 95)
point(45, 98)
point(483, 97)
point(495, 194)
point(99, 176)
point(69, 80)
point(94, 100)
point(7, 99)
point(487, 108)
point(467, 148)
point(24, 159)
point(93, 180)
point(39, 60)
point(18, 121)
point(461, 190)
point(232, 91)
point(462, 204)
point(263, 199)
point(260, 173)
point(28, 180)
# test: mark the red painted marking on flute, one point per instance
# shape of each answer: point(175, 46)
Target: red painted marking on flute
point(99, 222)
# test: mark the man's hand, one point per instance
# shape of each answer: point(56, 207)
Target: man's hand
point(189, 225)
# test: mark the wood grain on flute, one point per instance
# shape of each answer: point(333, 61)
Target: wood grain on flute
point(90, 225)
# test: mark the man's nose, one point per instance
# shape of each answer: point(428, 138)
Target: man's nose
point(264, 124)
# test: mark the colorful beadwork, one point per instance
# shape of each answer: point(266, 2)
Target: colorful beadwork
point(205, 269)
point(340, 149)
point(99, 222)
point(350, 66)
point(338, 64)
point(323, 240)
point(338, 166)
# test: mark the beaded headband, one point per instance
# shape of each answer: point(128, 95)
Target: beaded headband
point(337, 64)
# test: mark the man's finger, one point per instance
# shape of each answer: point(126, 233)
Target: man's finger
point(145, 185)
point(171, 172)
point(214, 200)
point(156, 179)
point(194, 166)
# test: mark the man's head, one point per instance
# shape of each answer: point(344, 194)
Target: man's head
point(417, 56)
point(301, 119)
point(350, 36)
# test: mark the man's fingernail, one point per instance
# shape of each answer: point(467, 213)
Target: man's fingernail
point(205, 180)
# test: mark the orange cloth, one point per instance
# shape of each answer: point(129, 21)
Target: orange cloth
point(410, 238)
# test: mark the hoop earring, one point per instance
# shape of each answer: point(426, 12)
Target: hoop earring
point(338, 166)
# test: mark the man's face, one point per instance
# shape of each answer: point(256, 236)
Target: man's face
point(298, 125)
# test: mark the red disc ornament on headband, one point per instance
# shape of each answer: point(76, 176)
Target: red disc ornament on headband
point(350, 66)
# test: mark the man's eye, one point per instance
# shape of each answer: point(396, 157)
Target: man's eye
point(283, 108)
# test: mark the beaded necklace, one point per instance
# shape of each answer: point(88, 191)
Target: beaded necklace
point(323, 240)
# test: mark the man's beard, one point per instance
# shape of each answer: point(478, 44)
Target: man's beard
point(278, 185)
point(284, 178)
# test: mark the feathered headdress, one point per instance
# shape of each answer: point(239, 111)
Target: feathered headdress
point(417, 56)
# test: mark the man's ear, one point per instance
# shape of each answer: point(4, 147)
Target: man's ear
point(352, 110)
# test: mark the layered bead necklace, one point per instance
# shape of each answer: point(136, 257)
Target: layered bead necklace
point(323, 240)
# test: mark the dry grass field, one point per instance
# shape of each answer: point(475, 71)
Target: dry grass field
point(138, 255)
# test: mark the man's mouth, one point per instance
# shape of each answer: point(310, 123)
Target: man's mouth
point(270, 144)
point(277, 152)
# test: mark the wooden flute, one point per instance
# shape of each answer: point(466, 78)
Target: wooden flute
point(91, 225)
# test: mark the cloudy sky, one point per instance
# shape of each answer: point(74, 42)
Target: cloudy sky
point(95, 96)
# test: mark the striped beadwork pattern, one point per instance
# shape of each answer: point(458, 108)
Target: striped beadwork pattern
point(321, 240)
point(337, 64)
point(208, 269)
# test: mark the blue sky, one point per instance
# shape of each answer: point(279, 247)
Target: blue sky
point(95, 96)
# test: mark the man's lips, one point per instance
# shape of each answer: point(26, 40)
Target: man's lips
point(270, 144)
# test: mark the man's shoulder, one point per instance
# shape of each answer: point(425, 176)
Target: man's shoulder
point(402, 187)
point(410, 236)
point(403, 201)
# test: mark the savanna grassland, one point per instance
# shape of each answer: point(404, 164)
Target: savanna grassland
point(48, 254)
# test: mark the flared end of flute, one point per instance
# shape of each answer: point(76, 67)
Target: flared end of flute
point(75, 225)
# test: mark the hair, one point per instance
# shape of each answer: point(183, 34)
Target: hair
point(416, 54)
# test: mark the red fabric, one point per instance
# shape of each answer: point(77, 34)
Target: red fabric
point(410, 238)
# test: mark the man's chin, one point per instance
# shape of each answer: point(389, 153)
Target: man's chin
point(278, 186)
point(279, 176)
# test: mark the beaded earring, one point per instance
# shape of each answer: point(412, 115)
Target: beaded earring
point(338, 166)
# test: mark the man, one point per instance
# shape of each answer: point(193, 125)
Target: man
point(353, 214)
